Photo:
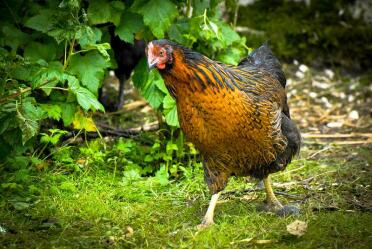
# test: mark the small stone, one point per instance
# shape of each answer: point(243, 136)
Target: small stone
point(330, 74)
point(300, 74)
point(320, 85)
point(350, 98)
point(303, 68)
point(334, 124)
point(354, 115)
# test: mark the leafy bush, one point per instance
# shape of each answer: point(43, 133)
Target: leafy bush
point(54, 56)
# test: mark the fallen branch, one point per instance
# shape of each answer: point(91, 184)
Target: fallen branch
point(252, 190)
point(337, 135)
point(354, 142)
point(106, 130)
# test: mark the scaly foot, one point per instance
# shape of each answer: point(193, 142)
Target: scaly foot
point(272, 206)
point(205, 224)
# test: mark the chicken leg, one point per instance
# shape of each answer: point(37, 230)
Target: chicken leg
point(208, 218)
point(272, 203)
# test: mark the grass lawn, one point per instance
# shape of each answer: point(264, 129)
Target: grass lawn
point(94, 208)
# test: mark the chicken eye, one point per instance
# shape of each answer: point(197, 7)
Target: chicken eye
point(161, 53)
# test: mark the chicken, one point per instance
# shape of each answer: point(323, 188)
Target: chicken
point(237, 116)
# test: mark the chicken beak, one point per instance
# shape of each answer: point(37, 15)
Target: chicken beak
point(152, 60)
point(152, 64)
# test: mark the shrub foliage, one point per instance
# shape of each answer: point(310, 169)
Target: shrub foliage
point(55, 54)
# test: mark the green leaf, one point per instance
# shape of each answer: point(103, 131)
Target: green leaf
point(68, 113)
point(228, 34)
point(130, 24)
point(231, 56)
point(158, 15)
point(41, 22)
point(13, 37)
point(37, 50)
point(147, 83)
point(162, 176)
point(53, 73)
point(171, 147)
point(180, 32)
point(102, 49)
point(172, 117)
point(168, 102)
point(89, 68)
point(160, 83)
point(28, 116)
point(151, 92)
point(104, 11)
point(86, 99)
point(53, 111)
point(170, 111)
point(140, 74)
point(199, 6)
point(88, 35)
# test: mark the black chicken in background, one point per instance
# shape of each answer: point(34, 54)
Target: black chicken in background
point(127, 56)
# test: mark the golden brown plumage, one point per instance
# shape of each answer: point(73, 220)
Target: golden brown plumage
point(237, 116)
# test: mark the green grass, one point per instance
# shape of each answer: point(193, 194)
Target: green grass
point(92, 209)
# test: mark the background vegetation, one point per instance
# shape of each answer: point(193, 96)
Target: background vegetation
point(60, 188)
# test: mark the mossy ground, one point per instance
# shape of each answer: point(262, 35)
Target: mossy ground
point(94, 209)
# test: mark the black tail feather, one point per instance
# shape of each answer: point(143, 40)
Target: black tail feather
point(263, 57)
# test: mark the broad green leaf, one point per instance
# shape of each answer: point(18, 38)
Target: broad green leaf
point(42, 22)
point(68, 113)
point(72, 81)
point(168, 102)
point(151, 92)
point(158, 15)
point(37, 50)
point(88, 35)
point(160, 83)
point(140, 74)
point(130, 24)
point(89, 68)
point(53, 74)
point(104, 11)
point(147, 83)
point(172, 117)
point(199, 6)
point(28, 116)
point(180, 32)
point(170, 111)
point(86, 99)
point(101, 48)
point(228, 34)
point(13, 37)
point(231, 56)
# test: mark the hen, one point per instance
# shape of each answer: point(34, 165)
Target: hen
point(237, 116)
